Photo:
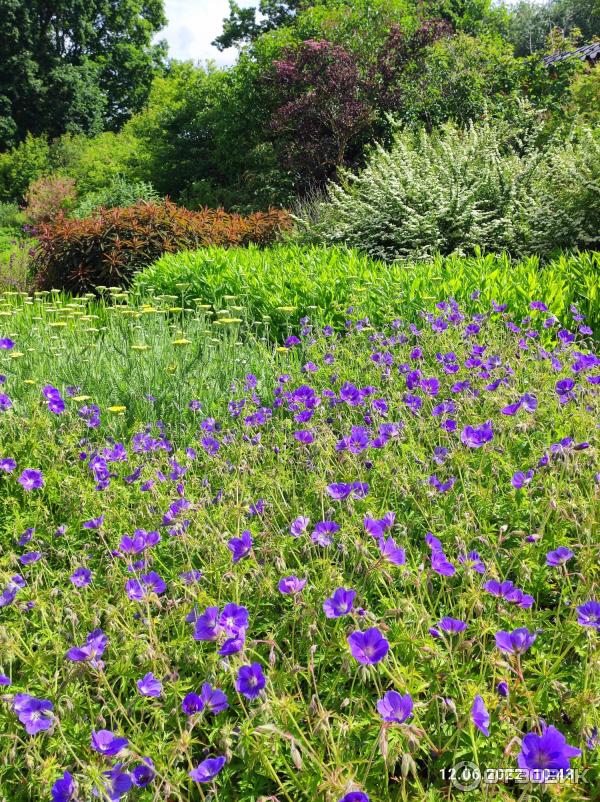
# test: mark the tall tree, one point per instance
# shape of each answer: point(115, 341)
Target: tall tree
point(244, 25)
point(75, 65)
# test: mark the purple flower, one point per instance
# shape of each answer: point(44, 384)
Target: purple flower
point(564, 390)
point(477, 436)
point(368, 647)
point(299, 526)
point(323, 531)
point(94, 523)
point(31, 479)
point(473, 561)
point(355, 796)
point(520, 479)
point(7, 465)
point(440, 563)
point(588, 614)
point(452, 625)
point(143, 773)
point(207, 770)
point(4, 680)
point(392, 553)
point(213, 699)
point(304, 436)
point(240, 546)
point(291, 585)
point(339, 603)
point(140, 589)
point(35, 714)
point(516, 642)
point(63, 789)
point(559, 556)
point(480, 716)
point(81, 577)
point(546, 754)
point(5, 402)
point(192, 704)
point(117, 783)
point(107, 743)
point(234, 619)
point(30, 558)
point(95, 644)
point(250, 680)
point(6, 344)
point(149, 685)
point(394, 707)
point(206, 624)
point(502, 689)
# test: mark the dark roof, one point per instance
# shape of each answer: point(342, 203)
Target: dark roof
point(585, 53)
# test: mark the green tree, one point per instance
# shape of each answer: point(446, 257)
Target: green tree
point(242, 25)
point(75, 65)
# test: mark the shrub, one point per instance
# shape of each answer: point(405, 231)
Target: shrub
point(120, 192)
point(46, 198)
point(287, 281)
point(107, 249)
point(11, 216)
point(457, 189)
point(21, 165)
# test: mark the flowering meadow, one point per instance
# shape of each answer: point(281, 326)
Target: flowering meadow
point(333, 569)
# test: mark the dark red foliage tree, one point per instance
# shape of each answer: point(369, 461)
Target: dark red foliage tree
point(324, 110)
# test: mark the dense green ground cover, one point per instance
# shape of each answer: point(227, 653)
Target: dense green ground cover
point(289, 281)
point(337, 454)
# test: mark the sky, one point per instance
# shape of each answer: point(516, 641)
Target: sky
point(193, 24)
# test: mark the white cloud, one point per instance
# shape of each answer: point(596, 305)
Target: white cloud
point(193, 25)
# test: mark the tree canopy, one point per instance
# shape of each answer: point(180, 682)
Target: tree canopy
point(75, 65)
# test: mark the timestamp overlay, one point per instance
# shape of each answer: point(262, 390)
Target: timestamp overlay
point(467, 776)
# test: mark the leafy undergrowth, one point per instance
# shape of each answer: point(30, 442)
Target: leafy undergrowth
point(220, 559)
point(286, 282)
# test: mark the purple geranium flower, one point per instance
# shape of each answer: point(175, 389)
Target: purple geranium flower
point(477, 436)
point(480, 716)
point(355, 796)
point(149, 685)
point(35, 714)
point(559, 556)
point(143, 773)
point(339, 603)
point(250, 680)
point(546, 754)
point(240, 546)
point(588, 614)
point(213, 699)
point(299, 526)
point(140, 589)
point(207, 770)
point(291, 585)
point(31, 479)
point(6, 344)
point(81, 577)
point(394, 707)
point(452, 625)
point(63, 789)
point(368, 647)
point(95, 644)
point(107, 743)
point(516, 642)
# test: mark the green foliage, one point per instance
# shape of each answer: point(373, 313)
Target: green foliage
point(21, 165)
point(75, 65)
point(460, 189)
point(119, 193)
point(288, 281)
point(96, 163)
point(202, 139)
point(11, 216)
point(109, 247)
point(530, 23)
